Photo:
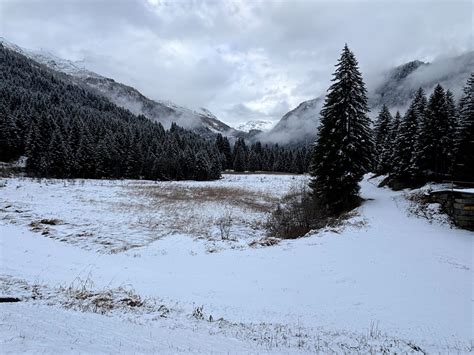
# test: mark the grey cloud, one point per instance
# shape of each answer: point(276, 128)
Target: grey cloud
point(264, 55)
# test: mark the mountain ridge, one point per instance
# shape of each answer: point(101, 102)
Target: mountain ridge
point(203, 121)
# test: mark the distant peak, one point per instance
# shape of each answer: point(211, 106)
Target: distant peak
point(256, 125)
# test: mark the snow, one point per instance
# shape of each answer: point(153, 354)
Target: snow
point(52, 61)
point(261, 125)
point(34, 329)
point(386, 277)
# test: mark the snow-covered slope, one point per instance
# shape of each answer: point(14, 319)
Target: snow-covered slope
point(259, 125)
point(385, 282)
point(165, 112)
point(52, 61)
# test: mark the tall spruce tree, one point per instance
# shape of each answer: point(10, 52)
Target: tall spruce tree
point(222, 144)
point(448, 142)
point(382, 133)
point(388, 155)
point(430, 157)
point(10, 142)
point(407, 137)
point(240, 155)
point(464, 140)
point(343, 149)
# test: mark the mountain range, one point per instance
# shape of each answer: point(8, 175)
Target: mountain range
point(395, 88)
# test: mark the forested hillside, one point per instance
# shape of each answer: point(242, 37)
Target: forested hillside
point(67, 130)
point(434, 140)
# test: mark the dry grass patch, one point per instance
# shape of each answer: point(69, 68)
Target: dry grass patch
point(172, 194)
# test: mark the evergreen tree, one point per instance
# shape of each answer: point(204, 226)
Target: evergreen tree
point(448, 141)
point(253, 161)
point(58, 156)
point(382, 132)
point(223, 146)
point(84, 165)
point(389, 150)
point(464, 140)
point(343, 149)
point(34, 147)
point(202, 167)
point(215, 168)
point(10, 144)
point(407, 138)
point(428, 159)
point(240, 155)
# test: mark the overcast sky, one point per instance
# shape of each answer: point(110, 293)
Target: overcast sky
point(243, 60)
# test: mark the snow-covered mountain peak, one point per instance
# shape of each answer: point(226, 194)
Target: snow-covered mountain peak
point(257, 125)
point(51, 60)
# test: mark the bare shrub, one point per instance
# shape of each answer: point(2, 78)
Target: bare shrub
point(298, 213)
point(295, 215)
point(225, 224)
point(198, 313)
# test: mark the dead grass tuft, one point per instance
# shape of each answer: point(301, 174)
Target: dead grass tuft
point(51, 222)
point(81, 295)
point(264, 242)
point(41, 226)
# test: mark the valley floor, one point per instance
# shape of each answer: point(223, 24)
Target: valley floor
point(125, 266)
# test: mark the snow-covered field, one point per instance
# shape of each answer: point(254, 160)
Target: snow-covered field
point(125, 266)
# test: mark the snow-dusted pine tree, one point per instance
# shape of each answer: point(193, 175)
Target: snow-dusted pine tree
point(240, 155)
point(382, 142)
point(448, 139)
point(58, 156)
point(407, 138)
point(429, 159)
point(344, 145)
point(389, 153)
point(464, 156)
point(9, 137)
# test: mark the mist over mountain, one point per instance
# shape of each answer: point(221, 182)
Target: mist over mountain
point(298, 125)
point(396, 89)
point(165, 112)
point(399, 84)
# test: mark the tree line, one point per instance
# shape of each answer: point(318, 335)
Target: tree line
point(433, 141)
point(257, 157)
point(68, 130)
